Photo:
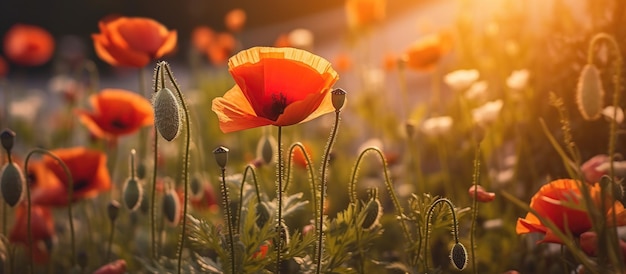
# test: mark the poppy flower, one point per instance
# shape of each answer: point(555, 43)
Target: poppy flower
point(202, 37)
point(88, 169)
point(116, 112)
point(275, 86)
point(235, 20)
point(4, 67)
point(553, 201)
point(481, 194)
point(133, 41)
point(342, 62)
point(116, 267)
point(282, 41)
point(222, 47)
point(28, 45)
point(362, 13)
point(424, 54)
point(42, 231)
point(299, 158)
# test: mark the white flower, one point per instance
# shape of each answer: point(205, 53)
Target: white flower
point(26, 108)
point(487, 113)
point(518, 79)
point(301, 38)
point(437, 126)
point(608, 112)
point(461, 79)
point(477, 91)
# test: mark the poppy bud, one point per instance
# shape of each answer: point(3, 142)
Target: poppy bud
point(113, 210)
point(7, 137)
point(221, 156)
point(339, 98)
point(167, 118)
point(373, 212)
point(481, 194)
point(458, 256)
point(196, 187)
point(262, 215)
point(171, 207)
point(82, 259)
point(141, 171)
point(133, 192)
point(590, 93)
point(11, 183)
point(266, 149)
point(284, 234)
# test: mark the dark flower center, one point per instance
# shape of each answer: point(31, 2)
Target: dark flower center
point(117, 124)
point(278, 105)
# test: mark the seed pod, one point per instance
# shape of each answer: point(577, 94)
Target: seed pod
point(262, 215)
point(338, 98)
point(113, 210)
point(171, 207)
point(133, 192)
point(167, 118)
point(458, 256)
point(590, 93)
point(11, 184)
point(221, 156)
point(7, 138)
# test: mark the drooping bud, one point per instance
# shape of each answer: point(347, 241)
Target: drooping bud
point(167, 114)
point(141, 171)
point(113, 210)
point(262, 215)
point(132, 194)
point(266, 149)
point(197, 187)
point(373, 211)
point(171, 207)
point(590, 93)
point(338, 98)
point(221, 156)
point(7, 138)
point(458, 256)
point(11, 184)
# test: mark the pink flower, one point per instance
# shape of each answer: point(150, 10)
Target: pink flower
point(590, 169)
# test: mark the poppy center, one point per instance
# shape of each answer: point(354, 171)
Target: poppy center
point(277, 106)
point(80, 185)
point(118, 124)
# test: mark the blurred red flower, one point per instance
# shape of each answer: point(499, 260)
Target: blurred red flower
point(275, 86)
point(362, 13)
point(299, 158)
point(116, 112)
point(87, 167)
point(42, 231)
point(133, 41)
point(553, 202)
point(235, 20)
point(590, 168)
point(28, 45)
point(425, 53)
point(4, 67)
point(116, 267)
point(481, 194)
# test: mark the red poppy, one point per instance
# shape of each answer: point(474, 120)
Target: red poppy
point(481, 194)
point(28, 45)
point(116, 112)
point(282, 41)
point(589, 244)
point(222, 47)
point(4, 67)
point(235, 20)
point(553, 201)
point(262, 252)
point(133, 41)
point(299, 158)
point(343, 62)
point(202, 37)
point(88, 169)
point(116, 267)
point(590, 168)
point(275, 86)
point(42, 231)
point(425, 53)
point(362, 13)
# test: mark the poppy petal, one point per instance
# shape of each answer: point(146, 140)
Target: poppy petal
point(306, 109)
point(168, 45)
point(235, 113)
point(100, 43)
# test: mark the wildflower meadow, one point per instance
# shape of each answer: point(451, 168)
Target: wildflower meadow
point(350, 136)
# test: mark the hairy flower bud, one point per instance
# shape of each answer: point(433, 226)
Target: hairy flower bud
point(11, 183)
point(262, 215)
point(171, 207)
point(132, 194)
point(167, 114)
point(373, 211)
point(266, 149)
point(113, 210)
point(590, 93)
point(458, 256)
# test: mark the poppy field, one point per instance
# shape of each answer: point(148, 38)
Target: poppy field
point(491, 141)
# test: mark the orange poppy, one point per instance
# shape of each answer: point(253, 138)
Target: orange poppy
point(553, 201)
point(481, 194)
point(282, 41)
point(133, 41)
point(88, 169)
point(235, 20)
point(202, 37)
point(28, 45)
point(299, 158)
point(362, 13)
point(42, 230)
point(116, 267)
point(342, 62)
point(116, 112)
point(425, 53)
point(275, 86)
point(223, 46)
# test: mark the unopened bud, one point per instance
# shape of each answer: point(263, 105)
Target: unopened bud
point(458, 256)
point(167, 114)
point(590, 93)
point(113, 209)
point(262, 215)
point(133, 192)
point(221, 156)
point(11, 183)
point(141, 171)
point(266, 149)
point(7, 137)
point(171, 207)
point(196, 187)
point(338, 98)
point(373, 211)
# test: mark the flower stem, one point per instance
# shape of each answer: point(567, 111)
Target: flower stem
point(70, 193)
point(185, 173)
point(249, 168)
point(475, 178)
point(429, 216)
point(228, 218)
point(159, 81)
point(110, 243)
point(279, 195)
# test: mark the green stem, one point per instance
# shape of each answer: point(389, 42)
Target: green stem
point(429, 216)
point(279, 194)
point(231, 241)
point(110, 240)
point(70, 193)
point(476, 178)
point(256, 187)
point(186, 160)
point(320, 224)
point(159, 81)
